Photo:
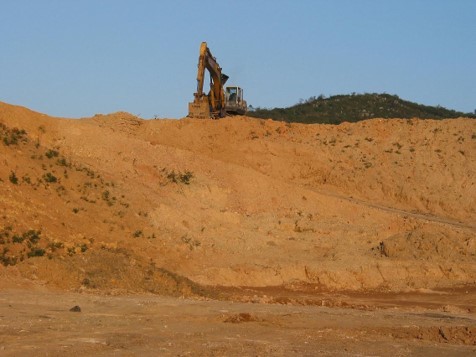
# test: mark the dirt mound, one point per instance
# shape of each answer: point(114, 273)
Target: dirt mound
point(240, 318)
point(114, 271)
point(97, 203)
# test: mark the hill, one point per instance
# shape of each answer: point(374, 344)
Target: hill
point(353, 108)
point(357, 236)
point(117, 203)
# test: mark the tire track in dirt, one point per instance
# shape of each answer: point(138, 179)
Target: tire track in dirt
point(400, 212)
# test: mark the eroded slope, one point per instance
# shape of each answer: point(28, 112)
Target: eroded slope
point(139, 205)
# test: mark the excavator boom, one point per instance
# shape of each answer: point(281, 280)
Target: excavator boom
point(213, 104)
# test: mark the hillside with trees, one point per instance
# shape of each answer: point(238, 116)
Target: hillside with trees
point(355, 107)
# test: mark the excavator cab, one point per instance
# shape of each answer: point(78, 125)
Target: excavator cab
point(234, 103)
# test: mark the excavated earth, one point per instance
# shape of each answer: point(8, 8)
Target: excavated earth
point(239, 235)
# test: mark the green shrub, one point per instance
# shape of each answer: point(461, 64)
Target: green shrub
point(180, 177)
point(32, 235)
point(13, 178)
point(186, 177)
point(50, 178)
point(51, 154)
point(17, 239)
point(62, 162)
point(55, 245)
point(106, 196)
point(12, 136)
point(36, 252)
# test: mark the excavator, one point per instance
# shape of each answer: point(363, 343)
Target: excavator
point(219, 102)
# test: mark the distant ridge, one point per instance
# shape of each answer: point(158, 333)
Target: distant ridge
point(355, 107)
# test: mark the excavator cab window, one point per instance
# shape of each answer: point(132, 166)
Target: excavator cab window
point(231, 94)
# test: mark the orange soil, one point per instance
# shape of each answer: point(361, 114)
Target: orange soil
point(180, 206)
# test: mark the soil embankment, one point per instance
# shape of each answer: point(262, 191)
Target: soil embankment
point(118, 203)
point(349, 239)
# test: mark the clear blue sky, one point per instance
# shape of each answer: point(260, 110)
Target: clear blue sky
point(76, 58)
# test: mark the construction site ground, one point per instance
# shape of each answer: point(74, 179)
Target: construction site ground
point(236, 236)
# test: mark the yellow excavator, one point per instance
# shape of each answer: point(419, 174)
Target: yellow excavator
point(219, 102)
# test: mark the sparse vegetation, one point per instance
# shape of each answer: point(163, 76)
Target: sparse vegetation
point(32, 236)
point(63, 162)
point(13, 178)
point(36, 252)
point(51, 154)
point(179, 177)
point(137, 234)
point(106, 196)
point(14, 248)
point(18, 239)
point(55, 245)
point(88, 172)
point(192, 243)
point(50, 178)
point(12, 136)
point(26, 179)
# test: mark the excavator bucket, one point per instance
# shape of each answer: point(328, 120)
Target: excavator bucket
point(199, 108)
point(224, 78)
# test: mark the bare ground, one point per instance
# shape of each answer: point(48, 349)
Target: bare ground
point(38, 323)
point(356, 238)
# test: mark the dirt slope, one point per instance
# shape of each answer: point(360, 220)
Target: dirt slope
point(118, 203)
